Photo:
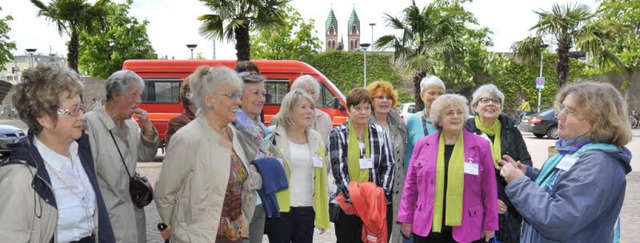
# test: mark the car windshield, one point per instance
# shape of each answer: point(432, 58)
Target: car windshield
point(546, 112)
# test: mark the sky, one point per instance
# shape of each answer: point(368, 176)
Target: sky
point(173, 23)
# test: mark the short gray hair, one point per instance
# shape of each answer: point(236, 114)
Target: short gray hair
point(206, 80)
point(444, 102)
point(307, 79)
point(486, 89)
point(431, 81)
point(289, 102)
point(120, 81)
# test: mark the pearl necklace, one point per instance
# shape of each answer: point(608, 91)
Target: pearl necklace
point(84, 190)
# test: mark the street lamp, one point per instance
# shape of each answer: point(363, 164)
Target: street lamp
point(364, 49)
point(191, 47)
point(31, 51)
point(542, 48)
point(372, 24)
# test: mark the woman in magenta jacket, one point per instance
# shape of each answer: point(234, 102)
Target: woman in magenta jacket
point(450, 191)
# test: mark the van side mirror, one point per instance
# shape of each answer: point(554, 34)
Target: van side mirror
point(337, 104)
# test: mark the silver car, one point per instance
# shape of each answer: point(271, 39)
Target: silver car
point(9, 136)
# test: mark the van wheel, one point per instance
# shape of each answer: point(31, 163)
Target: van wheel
point(553, 132)
point(539, 135)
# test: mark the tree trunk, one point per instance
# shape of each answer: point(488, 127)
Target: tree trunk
point(242, 43)
point(72, 56)
point(416, 85)
point(562, 66)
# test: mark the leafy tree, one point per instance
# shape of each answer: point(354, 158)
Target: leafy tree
point(433, 40)
point(5, 45)
point(233, 19)
point(625, 15)
point(296, 38)
point(74, 17)
point(123, 38)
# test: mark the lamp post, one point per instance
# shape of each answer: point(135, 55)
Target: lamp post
point(542, 48)
point(191, 47)
point(31, 51)
point(364, 49)
point(372, 24)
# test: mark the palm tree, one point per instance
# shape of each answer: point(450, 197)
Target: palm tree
point(73, 17)
point(564, 23)
point(240, 16)
point(428, 38)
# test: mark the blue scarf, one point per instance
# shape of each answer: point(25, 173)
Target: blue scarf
point(549, 173)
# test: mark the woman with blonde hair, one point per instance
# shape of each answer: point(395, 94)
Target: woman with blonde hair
point(578, 193)
point(305, 203)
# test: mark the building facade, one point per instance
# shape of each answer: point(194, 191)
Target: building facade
point(353, 33)
point(13, 69)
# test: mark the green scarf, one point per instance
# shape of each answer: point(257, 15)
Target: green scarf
point(455, 185)
point(353, 155)
point(494, 131)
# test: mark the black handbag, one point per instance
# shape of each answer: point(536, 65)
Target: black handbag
point(334, 207)
point(140, 189)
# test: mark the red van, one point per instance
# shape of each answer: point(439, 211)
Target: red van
point(161, 95)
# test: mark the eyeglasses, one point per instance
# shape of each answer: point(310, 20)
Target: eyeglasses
point(567, 110)
point(234, 95)
point(74, 111)
point(453, 113)
point(382, 97)
point(251, 77)
point(492, 100)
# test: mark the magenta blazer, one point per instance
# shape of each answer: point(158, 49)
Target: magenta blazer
point(480, 198)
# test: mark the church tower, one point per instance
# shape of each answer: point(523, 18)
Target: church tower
point(331, 32)
point(353, 30)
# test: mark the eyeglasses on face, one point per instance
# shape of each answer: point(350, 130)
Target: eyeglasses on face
point(492, 100)
point(233, 95)
point(568, 110)
point(452, 113)
point(74, 111)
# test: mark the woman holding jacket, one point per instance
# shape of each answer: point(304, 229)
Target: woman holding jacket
point(505, 138)
point(450, 193)
point(359, 153)
point(305, 203)
point(203, 191)
point(48, 187)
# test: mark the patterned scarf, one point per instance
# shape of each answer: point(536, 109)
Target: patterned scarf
point(549, 173)
point(494, 131)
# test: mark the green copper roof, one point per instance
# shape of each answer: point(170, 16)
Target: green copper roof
point(331, 20)
point(353, 20)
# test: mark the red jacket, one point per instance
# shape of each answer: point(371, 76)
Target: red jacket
point(369, 204)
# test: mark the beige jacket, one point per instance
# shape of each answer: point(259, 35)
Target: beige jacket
point(193, 182)
point(127, 220)
point(322, 124)
point(16, 180)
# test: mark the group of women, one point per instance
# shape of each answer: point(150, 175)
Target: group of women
point(226, 177)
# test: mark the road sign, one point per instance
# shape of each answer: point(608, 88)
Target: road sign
point(539, 82)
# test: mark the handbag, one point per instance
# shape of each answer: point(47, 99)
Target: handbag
point(140, 189)
point(334, 207)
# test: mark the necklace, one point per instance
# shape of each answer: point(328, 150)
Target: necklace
point(76, 194)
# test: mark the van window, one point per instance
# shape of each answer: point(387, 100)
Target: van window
point(276, 90)
point(161, 90)
point(326, 98)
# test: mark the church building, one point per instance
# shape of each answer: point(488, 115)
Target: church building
point(353, 33)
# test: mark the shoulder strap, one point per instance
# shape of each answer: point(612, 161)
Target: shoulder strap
point(119, 153)
point(424, 123)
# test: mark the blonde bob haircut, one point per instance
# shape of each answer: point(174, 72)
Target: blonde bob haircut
point(601, 105)
point(382, 87)
point(445, 102)
point(289, 103)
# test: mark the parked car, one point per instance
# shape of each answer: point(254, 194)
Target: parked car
point(406, 109)
point(541, 124)
point(9, 136)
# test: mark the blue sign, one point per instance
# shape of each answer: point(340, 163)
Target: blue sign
point(539, 82)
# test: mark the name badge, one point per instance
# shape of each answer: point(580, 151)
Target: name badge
point(567, 162)
point(317, 161)
point(470, 167)
point(366, 163)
